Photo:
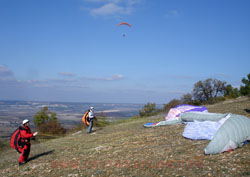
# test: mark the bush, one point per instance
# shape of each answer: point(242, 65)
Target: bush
point(245, 90)
point(101, 122)
point(52, 127)
point(187, 99)
point(196, 103)
point(171, 104)
point(47, 122)
point(148, 110)
point(231, 92)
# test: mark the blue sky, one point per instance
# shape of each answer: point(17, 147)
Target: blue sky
point(73, 50)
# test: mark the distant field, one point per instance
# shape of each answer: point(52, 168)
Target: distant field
point(69, 114)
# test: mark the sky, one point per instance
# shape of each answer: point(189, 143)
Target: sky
point(75, 51)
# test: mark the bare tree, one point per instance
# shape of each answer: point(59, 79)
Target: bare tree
point(208, 89)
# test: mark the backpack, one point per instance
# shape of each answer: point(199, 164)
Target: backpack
point(16, 140)
point(85, 118)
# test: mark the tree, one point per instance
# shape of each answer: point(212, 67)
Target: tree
point(231, 92)
point(186, 99)
point(245, 90)
point(148, 110)
point(219, 87)
point(46, 122)
point(208, 89)
point(41, 117)
point(171, 104)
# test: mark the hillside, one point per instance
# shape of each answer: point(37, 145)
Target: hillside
point(129, 149)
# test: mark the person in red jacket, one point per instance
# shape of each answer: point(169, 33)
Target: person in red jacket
point(25, 134)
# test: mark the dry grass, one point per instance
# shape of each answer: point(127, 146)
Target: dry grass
point(129, 149)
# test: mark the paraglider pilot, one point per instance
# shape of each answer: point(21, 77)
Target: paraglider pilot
point(91, 117)
point(25, 134)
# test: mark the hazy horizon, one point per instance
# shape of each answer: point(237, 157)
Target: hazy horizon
point(75, 51)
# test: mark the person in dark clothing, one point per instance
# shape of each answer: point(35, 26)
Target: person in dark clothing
point(25, 134)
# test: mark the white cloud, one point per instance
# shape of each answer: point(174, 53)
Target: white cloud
point(107, 9)
point(112, 78)
point(59, 88)
point(115, 77)
point(111, 8)
point(5, 72)
point(7, 79)
point(68, 74)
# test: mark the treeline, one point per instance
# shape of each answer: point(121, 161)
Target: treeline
point(209, 91)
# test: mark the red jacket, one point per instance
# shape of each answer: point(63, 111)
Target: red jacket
point(26, 134)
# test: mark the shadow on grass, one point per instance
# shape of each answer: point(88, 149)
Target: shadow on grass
point(40, 155)
point(247, 110)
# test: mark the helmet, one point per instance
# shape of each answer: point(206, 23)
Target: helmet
point(92, 108)
point(25, 121)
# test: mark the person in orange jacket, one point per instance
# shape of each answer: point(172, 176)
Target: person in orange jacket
point(25, 134)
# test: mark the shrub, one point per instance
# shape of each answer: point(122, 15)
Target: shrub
point(196, 102)
point(52, 127)
point(187, 99)
point(47, 122)
point(231, 92)
point(171, 104)
point(148, 110)
point(245, 90)
point(41, 117)
point(101, 122)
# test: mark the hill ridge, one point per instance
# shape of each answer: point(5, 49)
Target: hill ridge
point(129, 149)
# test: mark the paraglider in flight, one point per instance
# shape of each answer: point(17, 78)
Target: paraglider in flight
point(124, 23)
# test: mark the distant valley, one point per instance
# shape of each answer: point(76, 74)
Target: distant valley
point(69, 114)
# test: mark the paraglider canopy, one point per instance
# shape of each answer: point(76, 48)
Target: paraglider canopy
point(124, 23)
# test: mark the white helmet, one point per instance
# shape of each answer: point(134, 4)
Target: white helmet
point(91, 108)
point(25, 121)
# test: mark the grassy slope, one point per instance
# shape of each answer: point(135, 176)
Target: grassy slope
point(129, 149)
